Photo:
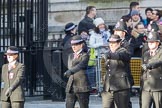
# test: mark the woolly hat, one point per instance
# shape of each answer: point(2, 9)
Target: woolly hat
point(98, 21)
point(134, 12)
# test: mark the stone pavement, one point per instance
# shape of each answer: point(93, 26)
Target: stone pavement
point(95, 102)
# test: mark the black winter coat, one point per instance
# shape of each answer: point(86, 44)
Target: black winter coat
point(85, 25)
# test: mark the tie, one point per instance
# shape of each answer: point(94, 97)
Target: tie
point(9, 67)
point(75, 55)
point(152, 53)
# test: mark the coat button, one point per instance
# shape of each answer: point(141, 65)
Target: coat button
point(160, 77)
point(109, 69)
point(149, 75)
point(109, 74)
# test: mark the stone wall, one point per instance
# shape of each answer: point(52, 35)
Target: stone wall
point(64, 11)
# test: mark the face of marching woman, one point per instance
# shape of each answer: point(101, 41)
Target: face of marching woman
point(114, 46)
point(11, 57)
point(77, 47)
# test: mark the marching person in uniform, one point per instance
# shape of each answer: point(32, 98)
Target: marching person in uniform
point(117, 86)
point(12, 94)
point(151, 78)
point(77, 88)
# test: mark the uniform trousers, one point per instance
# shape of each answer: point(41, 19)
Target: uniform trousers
point(82, 98)
point(119, 98)
point(151, 97)
point(13, 104)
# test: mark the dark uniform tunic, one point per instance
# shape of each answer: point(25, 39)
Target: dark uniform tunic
point(151, 80)
point(117, 83)
point(14, 79)
point(77, 88)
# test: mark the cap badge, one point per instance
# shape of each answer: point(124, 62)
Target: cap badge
point(117, 25)
point(150, 35)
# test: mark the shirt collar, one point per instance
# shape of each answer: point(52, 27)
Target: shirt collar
point(154, 50)
point(79, 51)
point(12, 63)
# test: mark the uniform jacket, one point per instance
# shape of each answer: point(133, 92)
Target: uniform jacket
point(85, 25)
point(15, 81)
point(78, 81)
point(117, 75)
point(129, 47)
point(152, 78)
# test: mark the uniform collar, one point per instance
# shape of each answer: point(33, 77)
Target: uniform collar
point(79, 52)
point(154, 50)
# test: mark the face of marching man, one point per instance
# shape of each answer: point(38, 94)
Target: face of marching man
point(114, 46)
point(153, 45)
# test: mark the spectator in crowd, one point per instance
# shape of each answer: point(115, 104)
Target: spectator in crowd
point(70, 31)
point(97, 43)
point(128, 25)
point(135, 18)
point(148, 13)
point(127, 20)
point(134, 6)
point(77, 88)
point(138, 39)
point(116, 83)
point(84, 28)
point(151, 73)
point(86, 24)
point(98, 38)
point(154, 24)
point(12, 93)
point(156, 15)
